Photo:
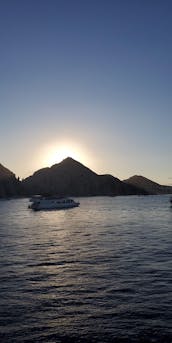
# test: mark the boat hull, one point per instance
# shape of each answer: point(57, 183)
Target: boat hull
point(53, 204)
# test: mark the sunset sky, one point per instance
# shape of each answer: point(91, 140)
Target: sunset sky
point(90, 79)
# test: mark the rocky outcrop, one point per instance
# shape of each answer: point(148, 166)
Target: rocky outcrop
point(72, 178)
point(9, 185)
point(147, 185)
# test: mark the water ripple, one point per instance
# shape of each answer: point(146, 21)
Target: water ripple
point(99, 273)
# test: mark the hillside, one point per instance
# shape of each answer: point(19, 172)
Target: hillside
point(9, 185)
point(70, 177)
point(148, 185)
point(4, 172)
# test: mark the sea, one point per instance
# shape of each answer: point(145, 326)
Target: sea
point(99, 273)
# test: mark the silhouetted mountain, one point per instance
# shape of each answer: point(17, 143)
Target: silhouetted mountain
point(147, 185)
point(70, 177)
point(9, 185)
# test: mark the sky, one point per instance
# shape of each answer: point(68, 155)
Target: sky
point(89, 79)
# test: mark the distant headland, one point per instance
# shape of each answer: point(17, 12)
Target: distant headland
point(71, 178)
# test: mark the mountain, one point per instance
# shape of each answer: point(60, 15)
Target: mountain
point(70, 177)
point(9, 185)
point(148, 185)
point(4, 172)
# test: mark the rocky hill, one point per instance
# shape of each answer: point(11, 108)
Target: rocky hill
point(147, 185)
point(9, 185)
point(70, 177)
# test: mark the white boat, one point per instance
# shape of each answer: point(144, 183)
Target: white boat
point(52, 203)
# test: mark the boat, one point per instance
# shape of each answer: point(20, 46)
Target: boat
point(52, 203)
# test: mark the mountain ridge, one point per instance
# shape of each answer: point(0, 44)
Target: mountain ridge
point(9, 184)
point(5, 172)
point(71, 178)
point(148, 185)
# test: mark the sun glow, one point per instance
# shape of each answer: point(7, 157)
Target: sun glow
point(57, 153)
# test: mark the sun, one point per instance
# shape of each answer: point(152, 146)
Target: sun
point(54, 152)
point(57, 153)
point(60, 154)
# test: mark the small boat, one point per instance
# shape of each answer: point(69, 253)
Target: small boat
point(52, 203)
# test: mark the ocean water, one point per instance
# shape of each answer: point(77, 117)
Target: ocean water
point(98, 273)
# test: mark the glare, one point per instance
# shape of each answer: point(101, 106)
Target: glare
point(57, 153)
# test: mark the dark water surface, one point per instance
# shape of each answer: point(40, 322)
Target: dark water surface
point(98, 273)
